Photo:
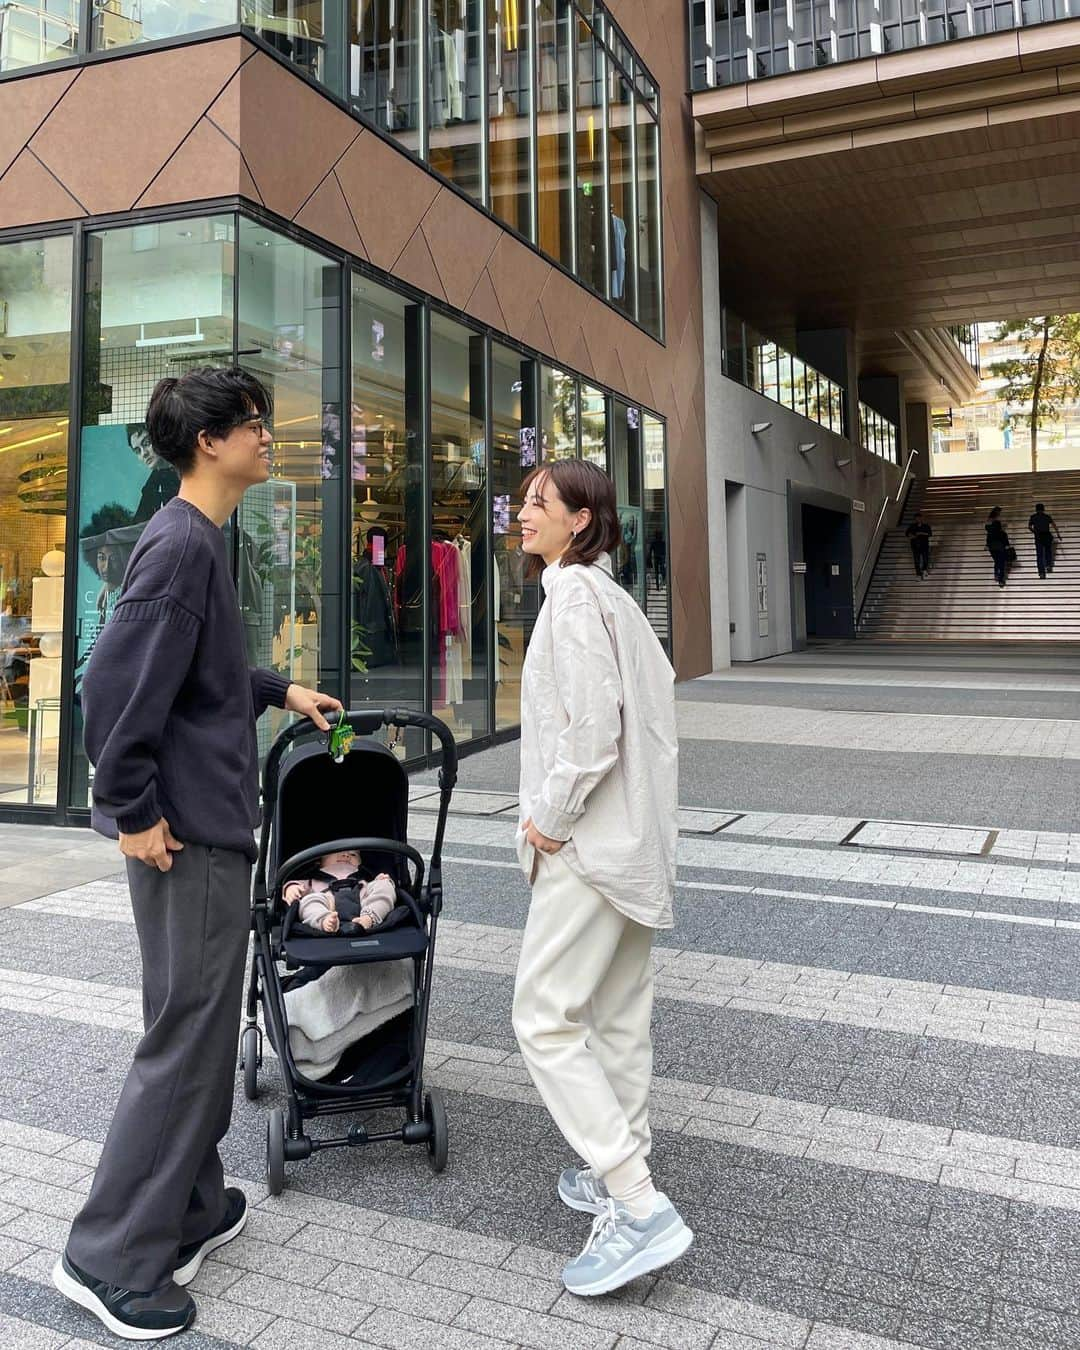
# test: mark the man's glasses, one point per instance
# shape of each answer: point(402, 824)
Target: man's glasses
point(257, 424)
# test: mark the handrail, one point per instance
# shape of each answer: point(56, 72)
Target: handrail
point(870, 550)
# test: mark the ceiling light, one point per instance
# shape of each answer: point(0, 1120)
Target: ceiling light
point(842, 463)
point(804, 447)
point(756, 428)
point(34, 440)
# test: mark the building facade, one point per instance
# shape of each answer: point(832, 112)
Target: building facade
point(454, 244)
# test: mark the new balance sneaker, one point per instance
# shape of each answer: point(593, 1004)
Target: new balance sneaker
point(621, 1248)
point(127, 1313)
point(581, 1188)
point(190, 1257)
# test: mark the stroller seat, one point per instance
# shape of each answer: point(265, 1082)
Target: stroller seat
point(401, 934)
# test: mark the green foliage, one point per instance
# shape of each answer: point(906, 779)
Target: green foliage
point(1045, 376)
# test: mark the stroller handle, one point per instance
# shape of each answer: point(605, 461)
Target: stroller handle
point(362, 843)
point(365, 721)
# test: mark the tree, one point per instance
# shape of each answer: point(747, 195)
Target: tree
point(1046, 374)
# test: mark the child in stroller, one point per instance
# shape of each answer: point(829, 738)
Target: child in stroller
point(337, 898)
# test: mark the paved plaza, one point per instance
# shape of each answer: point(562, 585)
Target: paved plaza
point(867, 1096)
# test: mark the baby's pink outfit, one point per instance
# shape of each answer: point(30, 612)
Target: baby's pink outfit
point(377, 897)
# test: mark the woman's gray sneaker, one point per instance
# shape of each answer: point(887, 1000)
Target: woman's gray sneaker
point(621, 1248)
point(581, 1188)
point(127, 1313)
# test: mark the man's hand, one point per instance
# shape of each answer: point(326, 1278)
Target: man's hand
point(154, 846)
point(310, 703)
point(539, 841)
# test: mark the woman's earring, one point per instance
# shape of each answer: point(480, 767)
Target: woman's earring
point(573, 534)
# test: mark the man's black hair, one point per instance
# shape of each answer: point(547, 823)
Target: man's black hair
point(1039, 506)
point(208, 398)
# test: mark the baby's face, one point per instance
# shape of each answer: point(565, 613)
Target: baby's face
point(349, 856)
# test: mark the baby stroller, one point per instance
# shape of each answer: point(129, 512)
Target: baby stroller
point(322, 794)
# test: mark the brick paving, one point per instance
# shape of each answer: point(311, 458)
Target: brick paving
point(867, 1062)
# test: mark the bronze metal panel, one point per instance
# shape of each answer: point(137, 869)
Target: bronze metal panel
point(24, 105)
point(388, 196)
point(207, 164)
point(461, 241)
point(120, 120)
point(326, 213)
point(30, 194)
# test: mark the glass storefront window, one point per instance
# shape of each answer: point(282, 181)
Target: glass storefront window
point(120, 23)
point(594, 426)
point(388, 503)
point(553, 162)
point(629, 561)
point(509, 113)
point(455, 92)
point(650, 288)
point(513, 457)
point(384, 66)
point(622, 242)
point(306, 32)
point(35, 399)
point(591, 197)
point(459, 529)
point(158, 302)
point(289, 550)
point(33, 32)
point(657, 602)
point(558, 414)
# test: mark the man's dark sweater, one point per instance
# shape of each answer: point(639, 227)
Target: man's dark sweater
point(169, 703)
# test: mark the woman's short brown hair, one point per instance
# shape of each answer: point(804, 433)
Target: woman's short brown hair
point(581, 484)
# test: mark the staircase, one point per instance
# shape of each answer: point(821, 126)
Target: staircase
point(959, 600)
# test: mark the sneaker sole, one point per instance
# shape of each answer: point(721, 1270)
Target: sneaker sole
point(582, 1206)
point(642, 1264)
point(85, 1298)
point(186, 1273)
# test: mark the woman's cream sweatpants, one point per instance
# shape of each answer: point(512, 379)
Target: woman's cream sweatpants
point(582, 1008)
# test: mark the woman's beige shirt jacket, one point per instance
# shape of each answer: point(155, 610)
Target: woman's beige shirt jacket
point(599, 751)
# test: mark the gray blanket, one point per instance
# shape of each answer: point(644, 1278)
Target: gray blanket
point(328, 1015)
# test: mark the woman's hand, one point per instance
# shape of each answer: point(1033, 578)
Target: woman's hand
point(539, 841)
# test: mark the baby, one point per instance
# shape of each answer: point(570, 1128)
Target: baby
point(336, 894)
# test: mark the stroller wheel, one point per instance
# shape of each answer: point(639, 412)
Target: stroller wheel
point(251, 1059)
point(275, 1151)
point(438, 1140)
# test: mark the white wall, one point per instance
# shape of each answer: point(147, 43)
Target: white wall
point(771, 472)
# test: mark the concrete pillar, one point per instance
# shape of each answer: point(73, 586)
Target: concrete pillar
point(920, 437)
point(832, 351)
point(884, 394)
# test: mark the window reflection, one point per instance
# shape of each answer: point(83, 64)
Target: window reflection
point(622, 243)
point(513, 457)
point(648, 221)
point(289, 548)
point(384, 66)
point(158, 302)
point(591, 197)
point(509, 109)
point(555, 234)
point(386, 475)
point(35, 282)
point(594, 426)
point(119, 23)
point(626, 472)
point(459, 529)
point(34, 33)
point(657, 602)
point(298, 29)
point(558, 414)
point(455, 104)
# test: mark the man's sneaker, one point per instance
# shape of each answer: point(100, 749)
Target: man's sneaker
point(127, 1313)
point(621, 1248)
point(581, 1188)
point(191, 1256)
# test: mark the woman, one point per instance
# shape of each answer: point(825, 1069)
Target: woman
point(997, 541)
point(597, 841)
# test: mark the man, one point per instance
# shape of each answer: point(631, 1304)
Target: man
point(169, 708)
point(1040, 525)
point(919, 533)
